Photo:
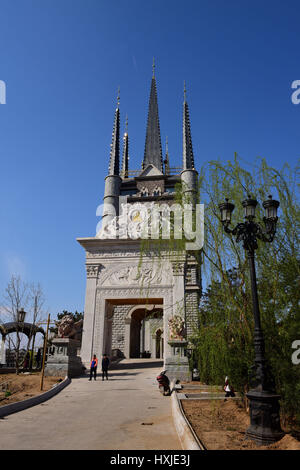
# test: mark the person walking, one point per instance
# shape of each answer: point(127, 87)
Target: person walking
point(105, 364)
point(93, 367)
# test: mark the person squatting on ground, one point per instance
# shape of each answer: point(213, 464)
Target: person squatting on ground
point(164, 383)
point(93, 367)
point(229, 390)
point(105, 364)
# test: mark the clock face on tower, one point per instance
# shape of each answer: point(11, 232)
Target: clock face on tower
point(136, 216)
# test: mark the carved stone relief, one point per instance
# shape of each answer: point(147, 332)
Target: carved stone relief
point(134, 274)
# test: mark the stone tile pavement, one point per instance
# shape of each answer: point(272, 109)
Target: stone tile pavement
point(98, 415)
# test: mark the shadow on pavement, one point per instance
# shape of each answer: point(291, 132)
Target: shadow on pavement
point(136, 365)
point(112, 373)
point(139, 364)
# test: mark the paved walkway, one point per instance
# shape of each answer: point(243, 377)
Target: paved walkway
point(98, 415)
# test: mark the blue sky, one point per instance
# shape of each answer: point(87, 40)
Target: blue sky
point(62, 62)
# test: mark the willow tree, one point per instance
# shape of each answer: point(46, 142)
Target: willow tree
point(224, 339)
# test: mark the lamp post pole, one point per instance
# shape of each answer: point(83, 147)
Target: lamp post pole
point(264, 402)
point(259, 347)
point(21, 314)
point(44, 353)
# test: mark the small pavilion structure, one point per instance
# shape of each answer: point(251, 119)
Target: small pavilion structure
point(29, 329)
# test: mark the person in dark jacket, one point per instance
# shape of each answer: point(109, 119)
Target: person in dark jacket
point(105, 364)
point(93, 367)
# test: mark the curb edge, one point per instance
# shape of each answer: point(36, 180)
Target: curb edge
point(24, 404)
point(187, 437)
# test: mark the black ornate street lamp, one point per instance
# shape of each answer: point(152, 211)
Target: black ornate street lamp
point(264, 403)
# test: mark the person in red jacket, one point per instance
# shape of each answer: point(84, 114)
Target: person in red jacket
point(93, 367)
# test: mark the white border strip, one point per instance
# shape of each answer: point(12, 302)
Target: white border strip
point(187, 437)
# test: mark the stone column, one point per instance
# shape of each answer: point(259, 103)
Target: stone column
point(127, 338)
point(2, 353)
point(153, 346)
point(175, 361)
point(111, 198)
point(147, 346)
point(142, 348)
point(178, 268)
point(89, 313)
point(189, 179)
point(99, 326)
point(168, 312)
point(192, 293)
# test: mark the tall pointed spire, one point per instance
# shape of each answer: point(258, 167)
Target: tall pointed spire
point(125, 160)
point(167, 159)
point(188, 156)
point(153, 152)
point(114, 162)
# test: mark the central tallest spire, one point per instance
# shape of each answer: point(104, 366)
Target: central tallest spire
point(153, 153)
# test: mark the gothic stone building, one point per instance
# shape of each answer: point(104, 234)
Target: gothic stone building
point(131, 293)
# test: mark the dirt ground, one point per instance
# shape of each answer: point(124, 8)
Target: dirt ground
point(221, 425)
point(23, 386)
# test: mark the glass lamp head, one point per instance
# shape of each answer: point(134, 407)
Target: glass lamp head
point(249, 206)
point(226, 209)
point(271, 206)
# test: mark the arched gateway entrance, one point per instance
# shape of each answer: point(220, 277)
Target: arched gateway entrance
point(134, 329)
point(146, 333)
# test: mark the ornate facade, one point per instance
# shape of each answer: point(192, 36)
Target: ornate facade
point(132, 293)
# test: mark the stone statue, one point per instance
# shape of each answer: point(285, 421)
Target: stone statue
point(176, 328)
point(65, 361)
point(68, 328)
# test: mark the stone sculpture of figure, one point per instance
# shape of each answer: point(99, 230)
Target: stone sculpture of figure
point(176, 327)
point(68, 328)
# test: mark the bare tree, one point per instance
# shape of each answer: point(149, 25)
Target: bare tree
point(19, 294)
point(15, 297)
point(37, 300)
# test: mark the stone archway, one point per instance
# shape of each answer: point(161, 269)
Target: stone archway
point(143, 321)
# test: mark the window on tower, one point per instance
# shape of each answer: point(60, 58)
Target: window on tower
point(156, 191)
point(144, 192)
